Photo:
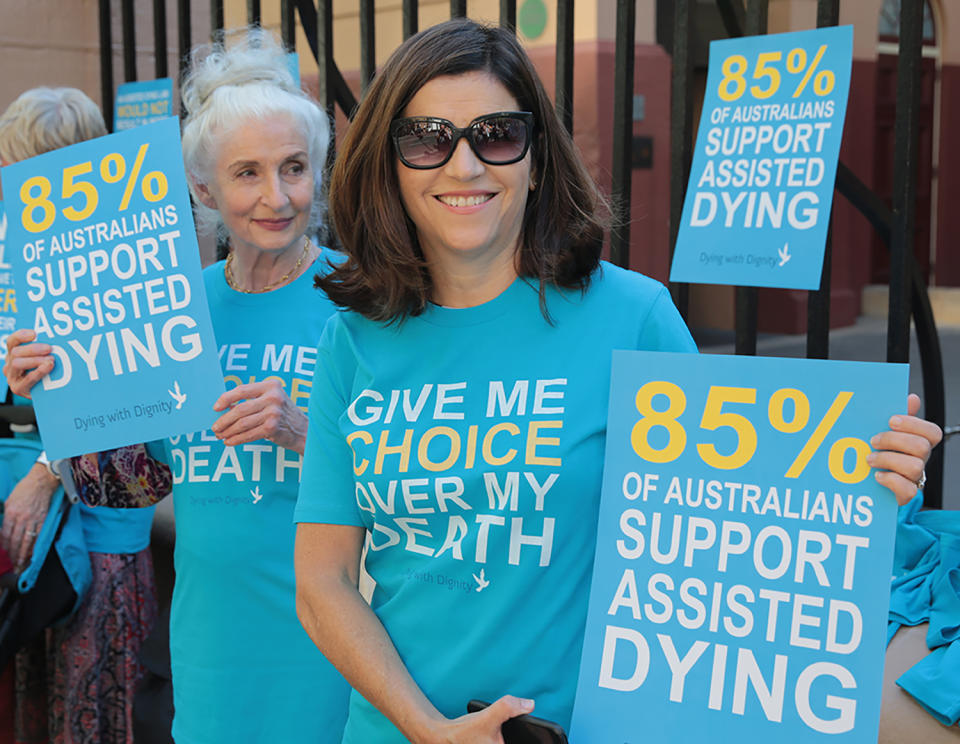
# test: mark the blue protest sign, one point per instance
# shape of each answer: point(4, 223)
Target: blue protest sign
point(102, 243)
point(744, 551)
point(293, 63)
point(142, 102)
point(761, 184)
point(8, 300)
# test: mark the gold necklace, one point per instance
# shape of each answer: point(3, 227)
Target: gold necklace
point(228, 272)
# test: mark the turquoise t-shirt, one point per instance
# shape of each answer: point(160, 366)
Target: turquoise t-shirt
point(244, 670)
point(469, 443)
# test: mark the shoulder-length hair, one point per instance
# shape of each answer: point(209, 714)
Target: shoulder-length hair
point(384, 275)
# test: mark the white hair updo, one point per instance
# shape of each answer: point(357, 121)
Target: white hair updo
point(242, 77)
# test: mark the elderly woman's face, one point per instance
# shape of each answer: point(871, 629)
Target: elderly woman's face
point(262, 184)
point(465, 209)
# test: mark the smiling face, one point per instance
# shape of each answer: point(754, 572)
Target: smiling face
point(262, 185)
point(466, 212)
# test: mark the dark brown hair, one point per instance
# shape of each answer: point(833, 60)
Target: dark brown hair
point(384, 275)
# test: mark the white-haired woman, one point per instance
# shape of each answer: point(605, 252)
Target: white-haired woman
point(243, 669)
point(77, 684)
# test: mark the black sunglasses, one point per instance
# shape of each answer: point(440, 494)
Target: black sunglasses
point(424, 142)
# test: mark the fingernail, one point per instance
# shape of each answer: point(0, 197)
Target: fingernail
point(871, 459)
point(526, 704)
point(873, 441)
point(896, 421)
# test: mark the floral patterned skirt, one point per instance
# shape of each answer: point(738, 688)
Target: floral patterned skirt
point(76, 684)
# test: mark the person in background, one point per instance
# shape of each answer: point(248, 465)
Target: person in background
point(244, 670)
point(457, 417)
point(76, 685)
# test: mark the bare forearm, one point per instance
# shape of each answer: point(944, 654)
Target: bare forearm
point(351, 636)
point(24, 512)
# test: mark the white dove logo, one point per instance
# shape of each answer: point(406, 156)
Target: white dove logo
point(784, 254)
point(482, 583)
point(177, 395)
point(255, 492)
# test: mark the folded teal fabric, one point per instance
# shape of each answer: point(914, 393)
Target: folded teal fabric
point(925, 587)
point(945, 606)
point(934, 682)
point(916, 554)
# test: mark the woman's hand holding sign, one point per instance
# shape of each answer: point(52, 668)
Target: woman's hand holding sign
point(900, 454)
point(260, 410)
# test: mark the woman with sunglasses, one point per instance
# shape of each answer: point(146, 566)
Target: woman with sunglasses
point(458, 412)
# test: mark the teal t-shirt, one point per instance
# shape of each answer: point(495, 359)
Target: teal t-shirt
point(244, 670)
point(469, 443)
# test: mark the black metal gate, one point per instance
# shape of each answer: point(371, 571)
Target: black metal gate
point(908, 293)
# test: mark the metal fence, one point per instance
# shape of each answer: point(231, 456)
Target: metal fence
point(908, 293)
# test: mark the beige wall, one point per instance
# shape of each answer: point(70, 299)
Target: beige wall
point(57, 43)
point(864, 16)
point(42, 44)
point(791, 15)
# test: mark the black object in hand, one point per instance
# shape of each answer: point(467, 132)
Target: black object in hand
point(525, 729)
